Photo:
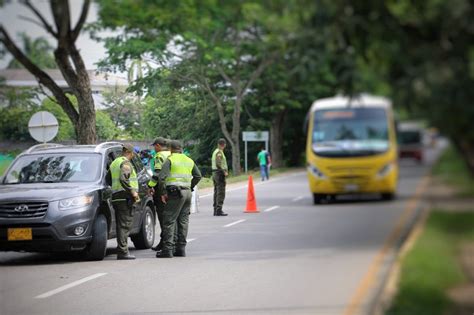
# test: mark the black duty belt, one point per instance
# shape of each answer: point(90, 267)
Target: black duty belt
point(180, 187)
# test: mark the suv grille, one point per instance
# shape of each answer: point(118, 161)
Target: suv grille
point(23, 209)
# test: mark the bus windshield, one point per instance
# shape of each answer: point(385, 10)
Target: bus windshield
point(350, 132)
point(54, 168)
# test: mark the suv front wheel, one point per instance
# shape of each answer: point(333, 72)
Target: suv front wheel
point(145, 238)
point(96, 249)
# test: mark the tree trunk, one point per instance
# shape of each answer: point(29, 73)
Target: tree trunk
point(236, 169)
point(87, 122)
point(74, 73)
point(276, 138)
point(466, 149)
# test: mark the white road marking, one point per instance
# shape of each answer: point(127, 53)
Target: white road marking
point(271, 209)
point(297, 198)
point(189, 240)
point(69, 286)
point(234, 223)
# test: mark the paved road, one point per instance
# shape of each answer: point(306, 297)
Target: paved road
point(291, 258)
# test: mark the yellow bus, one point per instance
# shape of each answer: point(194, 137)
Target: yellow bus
point(351, 147)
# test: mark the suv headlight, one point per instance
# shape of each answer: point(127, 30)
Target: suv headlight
point(76, 202)
point(385, 169)
point(316, 172)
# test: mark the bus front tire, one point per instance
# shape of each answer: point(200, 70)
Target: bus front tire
point(318, 198)
point(388, 196)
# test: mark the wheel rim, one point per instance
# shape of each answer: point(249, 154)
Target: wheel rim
point(149, 227)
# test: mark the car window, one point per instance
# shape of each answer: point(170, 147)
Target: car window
point(55, 168)
point(137, 163)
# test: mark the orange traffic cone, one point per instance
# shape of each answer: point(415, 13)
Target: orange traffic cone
point(251, 201)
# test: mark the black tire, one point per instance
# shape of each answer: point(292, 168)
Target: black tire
point(145, 238)
point(318, 198)
point(96, 249)
point(388, 196)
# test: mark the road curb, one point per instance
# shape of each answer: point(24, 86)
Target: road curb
point(384, 299)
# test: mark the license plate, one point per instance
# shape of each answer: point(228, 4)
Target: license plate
point(20, 234)
point(351, 187)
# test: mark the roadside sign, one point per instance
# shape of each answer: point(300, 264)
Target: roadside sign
point(254, 136)
point(43, 126)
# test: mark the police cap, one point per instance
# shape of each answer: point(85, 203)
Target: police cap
point(160, 141)
point(176, 145)
point(127, 147)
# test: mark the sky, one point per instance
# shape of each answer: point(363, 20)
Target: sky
point(91, 50)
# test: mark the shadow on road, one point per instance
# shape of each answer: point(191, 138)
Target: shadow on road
point(28, 259)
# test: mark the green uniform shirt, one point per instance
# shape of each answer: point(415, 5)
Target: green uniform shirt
point(219, 161)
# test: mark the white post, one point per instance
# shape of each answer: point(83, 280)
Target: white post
point(246, 167)
point(195, 201)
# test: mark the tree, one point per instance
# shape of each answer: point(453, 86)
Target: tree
point(222, 49)
point(184, 115)
point(424, 50)
point(104, 125)
point(39, 51)
point(126, 112)
point(68, 60)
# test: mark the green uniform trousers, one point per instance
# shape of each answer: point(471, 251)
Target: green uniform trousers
point(160, 208)
point(219, 190)
point(176, 221)
point(124, 220)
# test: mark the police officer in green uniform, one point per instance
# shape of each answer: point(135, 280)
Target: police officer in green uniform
point(124, 195)
point(178, 177)
point(219, 173)
point(162, 153)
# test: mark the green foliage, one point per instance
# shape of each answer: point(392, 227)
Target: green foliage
point(106, 129)
point(14, 123)
point(431, 267)
point(451, 169)
point(5, 161)
point(218, 49)
point(126, 112)
point(183, 115)
point(38, 50)
point(21, 106)
point(423, 49)
point(418, 53)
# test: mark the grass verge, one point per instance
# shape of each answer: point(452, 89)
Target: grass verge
point(4, 163)
point(431, 267)
point(452, 171)
point(206, 182)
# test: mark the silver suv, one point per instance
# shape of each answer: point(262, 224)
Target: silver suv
point(58, 198)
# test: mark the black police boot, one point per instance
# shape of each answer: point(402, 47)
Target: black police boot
point(180, 252)
point(221, 214)
point(164, 254)
point(125, 257)
point(158, 247)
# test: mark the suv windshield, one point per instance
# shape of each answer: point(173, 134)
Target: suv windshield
point(57, 168)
